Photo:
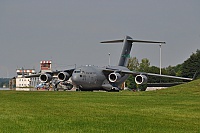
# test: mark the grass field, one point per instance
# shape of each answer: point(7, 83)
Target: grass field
point(175, 109)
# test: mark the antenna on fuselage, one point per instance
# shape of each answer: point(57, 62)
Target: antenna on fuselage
point(108, 59)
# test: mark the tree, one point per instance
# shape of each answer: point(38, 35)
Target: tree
point(186, 69)
point(130, 82)
point(4, 81)
point(133, 65)
point(191, 65)
point(144, 65)
point(178, 69)
point(154, 79)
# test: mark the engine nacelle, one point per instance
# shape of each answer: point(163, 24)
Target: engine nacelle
point(45, 78)
point(141, 79)
point(114, 77)
point(63, 76)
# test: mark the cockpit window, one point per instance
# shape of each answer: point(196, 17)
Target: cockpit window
point(77, 71)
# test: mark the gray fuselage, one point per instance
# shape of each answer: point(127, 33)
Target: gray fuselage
point(94, 78)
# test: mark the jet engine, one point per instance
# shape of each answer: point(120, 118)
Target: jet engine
point(63, 76)
point(114, 77)
point(141, 79)
point(45, 78)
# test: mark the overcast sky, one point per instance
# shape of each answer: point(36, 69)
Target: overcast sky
point(70, 31)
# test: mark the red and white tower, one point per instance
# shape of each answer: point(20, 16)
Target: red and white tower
point(45, 66)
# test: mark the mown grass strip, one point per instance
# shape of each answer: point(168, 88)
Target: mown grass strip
point(176, 109)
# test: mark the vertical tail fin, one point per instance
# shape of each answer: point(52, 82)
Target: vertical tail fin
point(125, 55)
point(127, 42)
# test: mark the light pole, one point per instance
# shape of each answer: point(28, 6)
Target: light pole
point(160, 58)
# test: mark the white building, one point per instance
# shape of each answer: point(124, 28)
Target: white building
point(34, 81)
point(21, 81)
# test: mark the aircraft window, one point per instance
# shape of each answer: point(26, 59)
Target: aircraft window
point(77, 71)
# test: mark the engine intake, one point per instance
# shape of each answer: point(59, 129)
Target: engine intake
point(45, 78)
point(114, 77)
point(141, 79)
point(63, 76)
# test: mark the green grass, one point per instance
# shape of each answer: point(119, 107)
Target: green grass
point(175, 109)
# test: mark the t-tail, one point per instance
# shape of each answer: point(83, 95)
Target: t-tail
point(128, 42)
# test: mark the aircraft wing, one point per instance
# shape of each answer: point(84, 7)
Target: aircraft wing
point(53, 73)
point(33, 75)
point(135, 73)
point(156, 75)
point(110, 70)
point(168, 76)
point(67, 70)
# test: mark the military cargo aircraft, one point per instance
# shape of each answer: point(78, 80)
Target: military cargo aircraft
point(110, 78)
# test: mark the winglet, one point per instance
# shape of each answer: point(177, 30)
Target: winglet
point(195, 75)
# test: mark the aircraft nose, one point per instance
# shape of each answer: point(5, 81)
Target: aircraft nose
point(75, 78)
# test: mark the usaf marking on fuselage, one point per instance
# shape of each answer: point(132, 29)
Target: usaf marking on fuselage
point(88, 78)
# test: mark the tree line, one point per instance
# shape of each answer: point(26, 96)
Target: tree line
point(4, 82)
point(187, 69)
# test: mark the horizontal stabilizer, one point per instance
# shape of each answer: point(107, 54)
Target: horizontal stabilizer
point(141, 41)
point(131, 40)
point(113, 41)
